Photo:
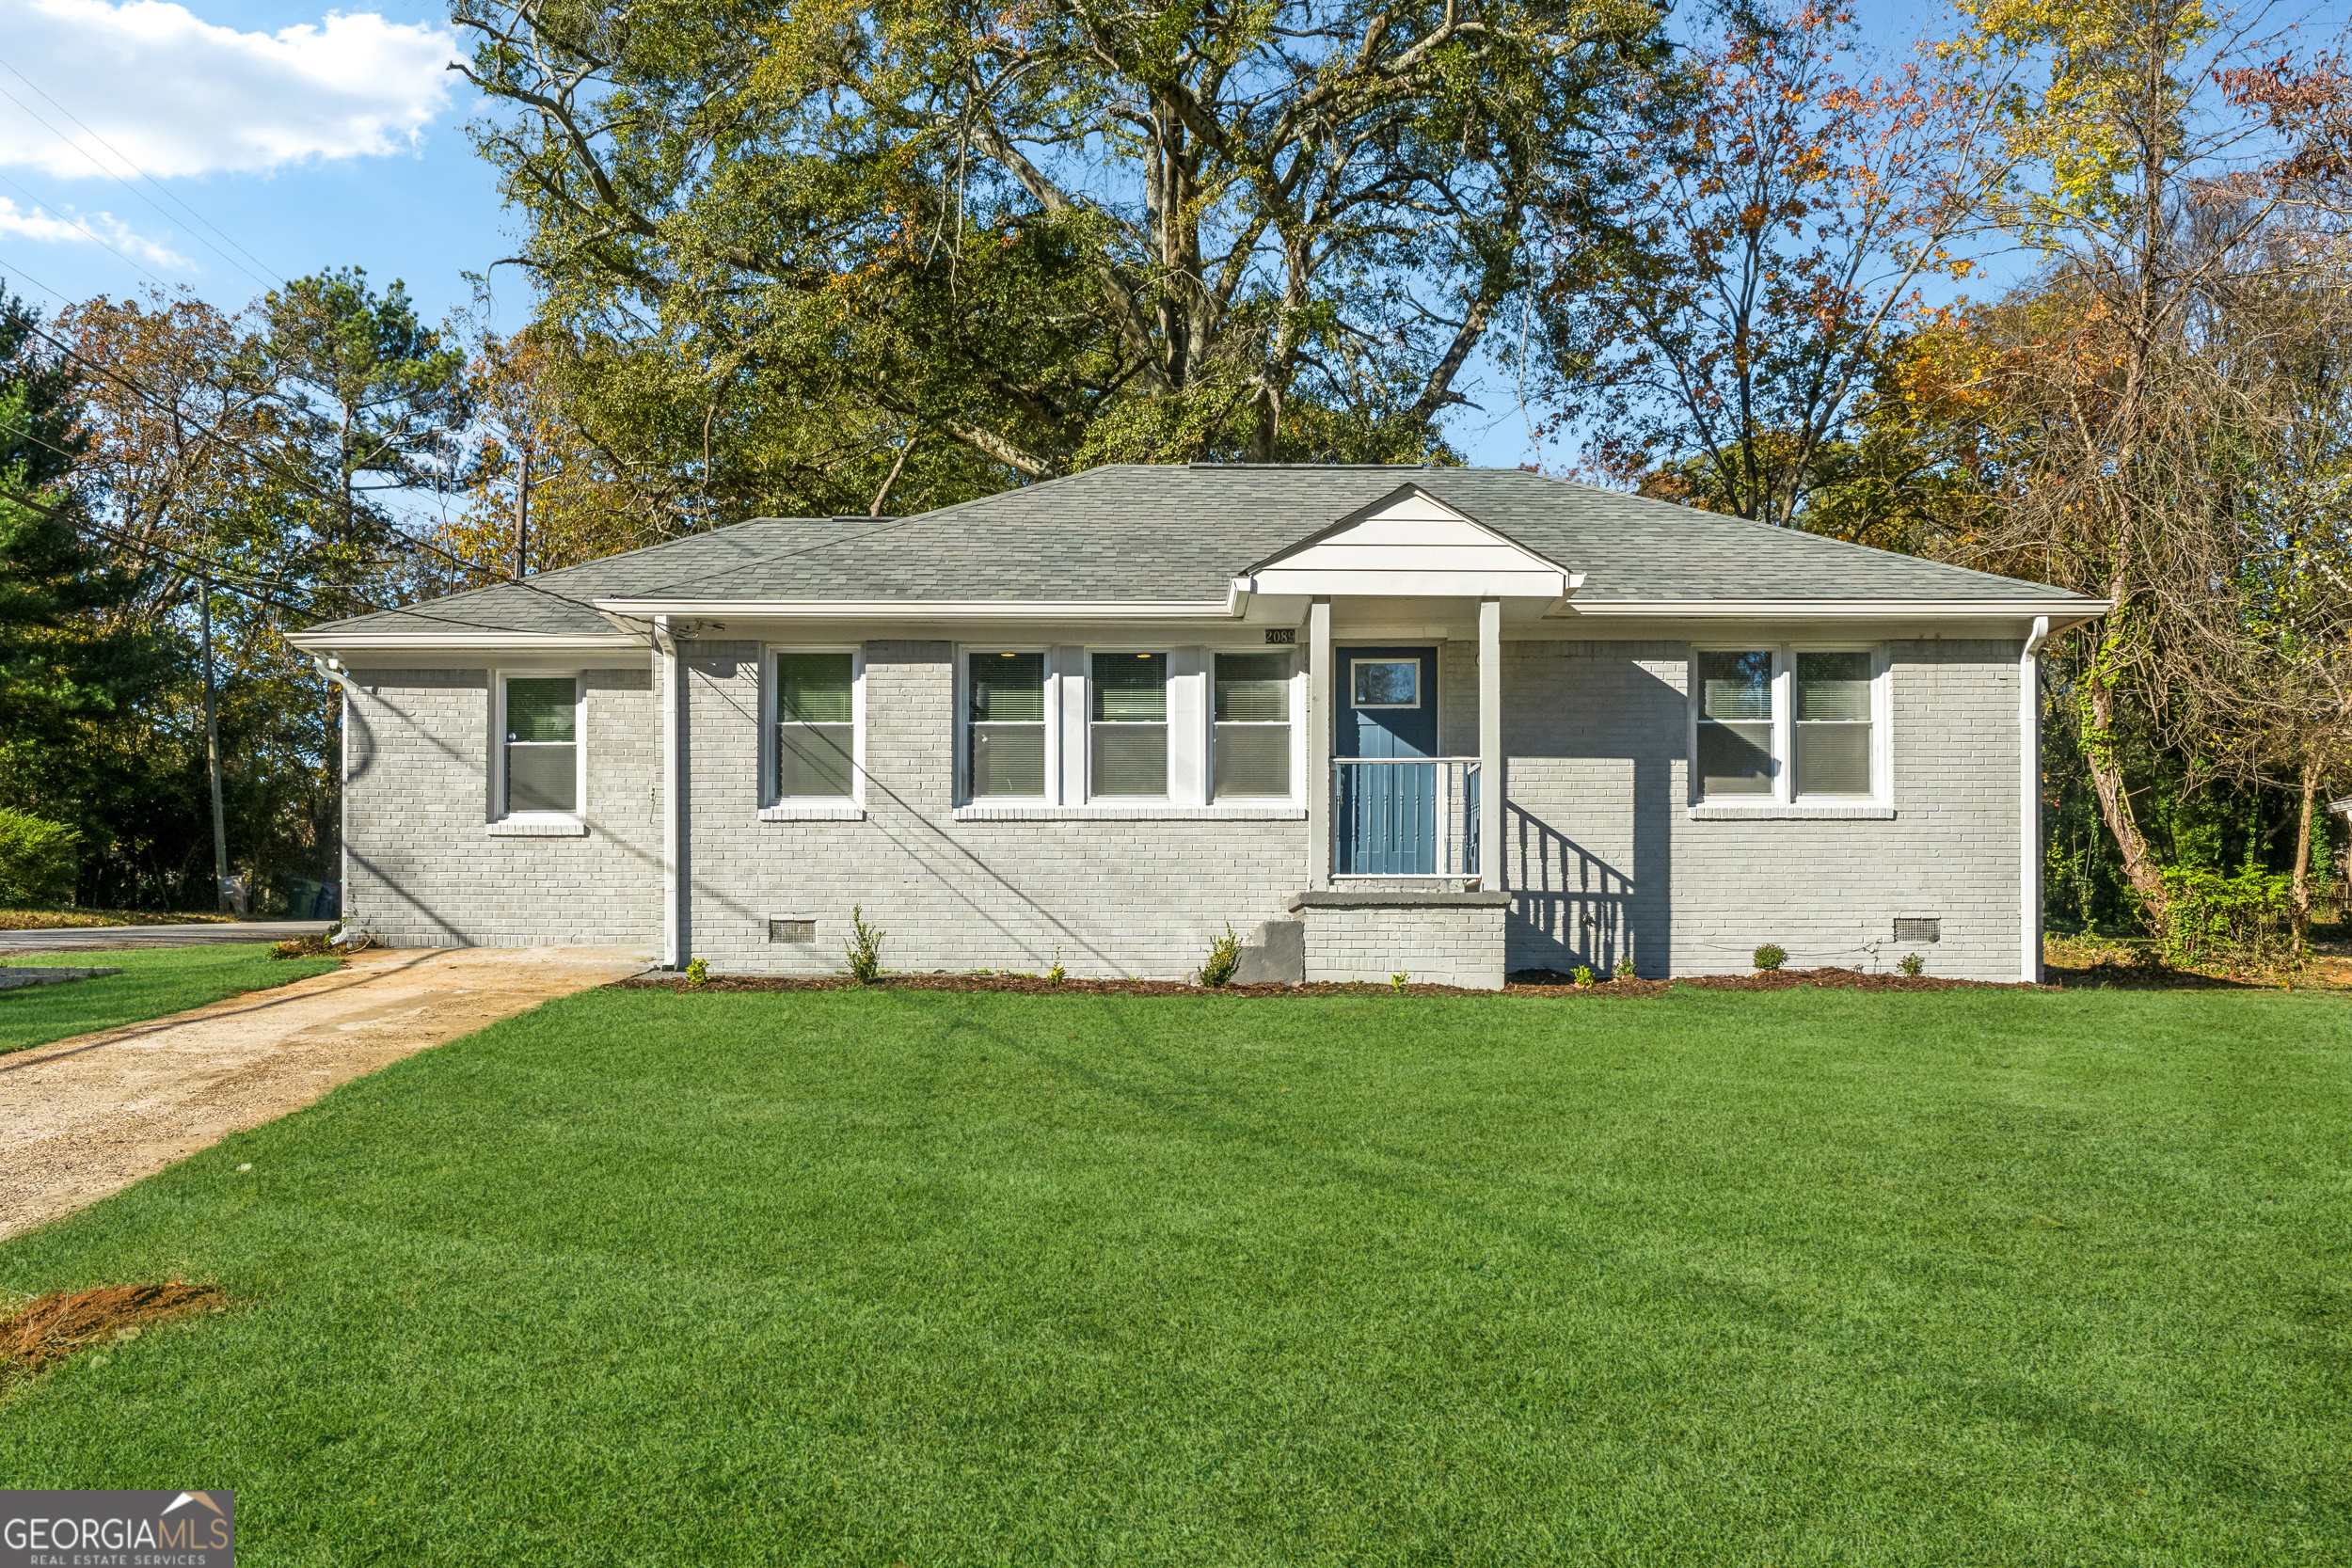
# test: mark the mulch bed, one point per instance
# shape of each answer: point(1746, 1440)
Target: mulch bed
point(1524, 983)
point(52, 1327)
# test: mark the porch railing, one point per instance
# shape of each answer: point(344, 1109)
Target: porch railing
point(1404, 816)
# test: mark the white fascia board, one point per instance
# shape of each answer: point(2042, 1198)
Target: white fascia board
point(1414, 585)
point(456, 639)
point(934, 610)
point(2061, 614)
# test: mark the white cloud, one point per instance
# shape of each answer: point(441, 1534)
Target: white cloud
point(68, 226)
point(177, 95)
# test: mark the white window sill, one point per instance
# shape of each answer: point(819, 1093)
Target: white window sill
point(1161, 811)
point(814, 811)
point(1801, 810)
point(524, 827)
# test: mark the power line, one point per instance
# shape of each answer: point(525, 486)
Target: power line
point(135, 168)
point(76, 225)
point(302, 480)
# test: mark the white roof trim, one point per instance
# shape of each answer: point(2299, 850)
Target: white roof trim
point(925, 609)
point(2062, 612)
point(1409, 543)
point(460, 637)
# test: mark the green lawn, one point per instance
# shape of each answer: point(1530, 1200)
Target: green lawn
point(154, 981)
point(938, 1280)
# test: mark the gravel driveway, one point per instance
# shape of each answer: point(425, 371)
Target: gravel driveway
point(90, 1116)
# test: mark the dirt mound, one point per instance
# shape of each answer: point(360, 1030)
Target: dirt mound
point(1523, 982)
point(54, 1327)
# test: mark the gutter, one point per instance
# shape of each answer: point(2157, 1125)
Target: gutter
point(1229, 608)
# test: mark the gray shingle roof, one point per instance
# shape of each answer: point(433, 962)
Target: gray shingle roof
point(1169, 532)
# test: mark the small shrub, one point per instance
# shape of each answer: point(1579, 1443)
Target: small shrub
point(1583, 977)
point(1625, 969)
point(37, 860)
point(864, 948)
point(1771, 955)
point(1912, 963)
point(698, 973)
point(1056, 975)
point(1224, 957)
point(1397, 981)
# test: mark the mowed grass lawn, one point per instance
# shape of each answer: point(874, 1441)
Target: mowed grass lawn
point(934, 1279)
point(153, 982)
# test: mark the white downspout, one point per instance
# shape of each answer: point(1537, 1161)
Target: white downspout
point(673, 938)
point(332, 668)
point(2030, 801)
point(1320, 720)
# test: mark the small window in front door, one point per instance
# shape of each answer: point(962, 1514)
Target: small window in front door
point(1386, 682)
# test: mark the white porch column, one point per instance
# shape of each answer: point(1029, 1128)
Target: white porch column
point(1319, 721)
point(1490, 857)
point(2029, 802)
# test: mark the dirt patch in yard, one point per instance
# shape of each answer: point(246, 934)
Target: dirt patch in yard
point(1524, 983)
point(52, 1327)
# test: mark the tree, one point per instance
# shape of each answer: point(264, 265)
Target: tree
point(363, 390)
point(807, 248)
point(1726, 348)
point(2126, 433)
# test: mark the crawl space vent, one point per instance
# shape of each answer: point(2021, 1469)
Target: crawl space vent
point(1929, 929)
point(791, 929)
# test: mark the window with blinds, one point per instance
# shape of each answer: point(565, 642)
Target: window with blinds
point(1735, 724)
point(1005, 750)
point(1833, 730)
point(541, 746)
point(1127, 725)
point(1253, 726)
point(816, 725)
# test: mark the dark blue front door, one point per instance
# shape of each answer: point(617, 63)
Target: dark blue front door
point(1387, 818)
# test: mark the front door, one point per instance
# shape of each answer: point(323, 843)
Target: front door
point(1388, 807)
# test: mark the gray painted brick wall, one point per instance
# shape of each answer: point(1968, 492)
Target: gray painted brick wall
point(1598, 834)
point(1117, 897)
point(1433, 946)
point(425, 870)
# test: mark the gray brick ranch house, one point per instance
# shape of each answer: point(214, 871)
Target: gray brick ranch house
point(1449, 722)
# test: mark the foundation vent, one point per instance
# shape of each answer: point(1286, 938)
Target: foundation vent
point(791, 927)
point(1929, 928)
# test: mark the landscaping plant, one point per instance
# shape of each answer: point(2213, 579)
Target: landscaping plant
point(864, 948)
point(1771, 955)
point(37, 860)
point(1056, 975)
point(1625, 969)
point(1224, 957)
point(1583, 977)
point(698, 973)
point(1397, 980)
point(1912, 963)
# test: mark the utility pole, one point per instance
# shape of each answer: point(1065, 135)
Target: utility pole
point(212, 747)
point(523, 515)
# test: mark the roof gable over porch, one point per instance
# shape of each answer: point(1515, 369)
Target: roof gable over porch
point(1408, 542)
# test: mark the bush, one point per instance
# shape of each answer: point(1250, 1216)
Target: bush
point(1583, 977)
point(36, 860)
point(1625, 969)
point(1398, 981)
point(1056, 975)
point(698, 973)
point(2246, 921)
point(1912, 963)
point(1771, 955)
point(864, 948)
point(1224, 957)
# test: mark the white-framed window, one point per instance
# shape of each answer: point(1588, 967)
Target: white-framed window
point(1251, 748)
point(1005, 723)
point(814, 703)
point(1127, 725)
point(1788, 723)
point(1077, 729)
point(539, 760)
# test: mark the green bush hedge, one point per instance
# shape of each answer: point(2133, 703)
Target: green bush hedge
point(36, 860)
point(2245, 921)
